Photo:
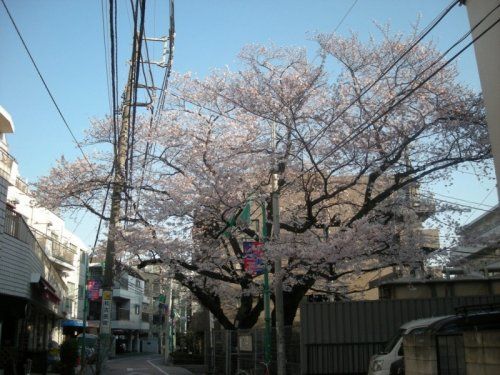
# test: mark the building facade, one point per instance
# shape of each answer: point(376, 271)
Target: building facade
point(40, 267)
point(129, 318)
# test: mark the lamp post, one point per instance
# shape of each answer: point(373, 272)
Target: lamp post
point(278, 282)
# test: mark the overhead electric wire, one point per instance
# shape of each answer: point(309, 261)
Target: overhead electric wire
point(345, 15)
point(108, 78)
point(460, 199)
point(484, 199)
point(388, 68)
point(365, 125)
point(455, 203)
point(114, 83)
point(136, 63)
point(46, 86)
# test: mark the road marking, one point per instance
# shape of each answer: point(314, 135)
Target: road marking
point(156, 367)
point(129, 369)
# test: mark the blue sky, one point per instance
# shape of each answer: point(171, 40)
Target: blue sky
point(66, 40)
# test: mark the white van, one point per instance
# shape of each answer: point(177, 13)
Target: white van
point(380, 364)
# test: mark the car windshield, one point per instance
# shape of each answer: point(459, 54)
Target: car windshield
point(393, 341)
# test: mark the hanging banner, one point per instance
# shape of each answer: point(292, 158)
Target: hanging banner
point(93, 287)
point(253, 262)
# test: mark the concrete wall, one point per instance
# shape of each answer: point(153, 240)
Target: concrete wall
point(441, 288)
point(482, 352)
point(420, 355)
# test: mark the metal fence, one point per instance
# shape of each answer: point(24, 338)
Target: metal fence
point(340, 337)
point(242, 351)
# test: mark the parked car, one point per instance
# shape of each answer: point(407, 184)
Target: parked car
point(391, 360)
point(380, 364)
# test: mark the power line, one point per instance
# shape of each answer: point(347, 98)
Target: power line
point(345, 15)
point(423, 34)
point(460, 199)
point(113, 40)
point(106, 56)
point(484, 199)
point(46, 86)
point(365, 125)
point(455, 203)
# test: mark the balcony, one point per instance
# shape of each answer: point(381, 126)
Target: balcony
point(132, 325)
point(6, 161)
point(16, 227)
point(122, 314)
point(424, 207)
point(22, 185)
point(63, 254)
point(430, 239)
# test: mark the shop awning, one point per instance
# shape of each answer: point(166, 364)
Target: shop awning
point(47, 290)
point(72, 323)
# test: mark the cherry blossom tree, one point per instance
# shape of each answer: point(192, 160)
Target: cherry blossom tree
point(349, 160)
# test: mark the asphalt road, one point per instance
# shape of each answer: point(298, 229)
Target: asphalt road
point(142, 364)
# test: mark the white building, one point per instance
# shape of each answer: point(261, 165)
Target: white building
point(129, 317)
point(488, 63)
point(40, 266)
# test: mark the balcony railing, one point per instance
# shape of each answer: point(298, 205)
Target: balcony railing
point(22, 185)
point(122, 314)
point(15, 226)
point(57, 249)
point(430, 238)
point(423, 206)
point(6, 161)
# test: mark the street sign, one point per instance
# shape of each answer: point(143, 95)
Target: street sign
point(107, 295)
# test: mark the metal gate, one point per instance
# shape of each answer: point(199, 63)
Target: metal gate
point(231, 352)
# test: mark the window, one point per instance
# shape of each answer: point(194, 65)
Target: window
point(137, 309)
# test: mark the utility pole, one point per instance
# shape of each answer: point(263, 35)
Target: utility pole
point(267, 297)
point(278, 281)
point(114, 217)
point(168, 323)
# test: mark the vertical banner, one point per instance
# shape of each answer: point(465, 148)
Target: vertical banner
point(93, 287)
point(106, 311)
point(253, 262)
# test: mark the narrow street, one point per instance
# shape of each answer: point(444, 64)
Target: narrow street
point(142, 364)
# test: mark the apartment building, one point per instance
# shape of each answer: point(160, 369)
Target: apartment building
point(479, 251)
point(40, 272)
point(129, 319)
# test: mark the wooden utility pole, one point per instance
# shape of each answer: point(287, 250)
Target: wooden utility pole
point(114, 216)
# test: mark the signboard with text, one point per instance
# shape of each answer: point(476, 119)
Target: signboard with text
point(253, 262)
point(93, 287)
point(106, 311)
